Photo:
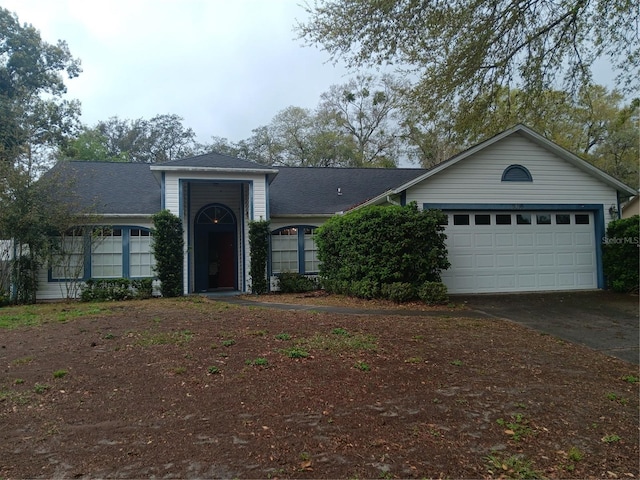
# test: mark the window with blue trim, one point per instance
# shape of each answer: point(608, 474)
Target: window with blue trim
point(67, 259)
point(293, 249)
point(516, 173)
point(141, 258)
point(102, 252)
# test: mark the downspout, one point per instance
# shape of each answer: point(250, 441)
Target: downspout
point(391, 201)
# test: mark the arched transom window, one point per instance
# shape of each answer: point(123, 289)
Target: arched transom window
point(216, 215)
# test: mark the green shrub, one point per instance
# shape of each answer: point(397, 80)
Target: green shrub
point(367, 248)
point(367, 289)
point(291, 282)
point(142, 287)
point(259, 247)
point(168, 249)
point(399, 292)
point(433, 293)
point(620, 254)
point(115, 289)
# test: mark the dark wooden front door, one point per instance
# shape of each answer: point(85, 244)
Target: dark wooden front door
point(221, 260)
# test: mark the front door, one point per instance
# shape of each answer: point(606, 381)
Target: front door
point(215, 250)
point(220, 260)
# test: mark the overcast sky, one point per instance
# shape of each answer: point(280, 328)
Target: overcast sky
point(225, 66)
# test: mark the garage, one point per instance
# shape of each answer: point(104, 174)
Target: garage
point(519, 251)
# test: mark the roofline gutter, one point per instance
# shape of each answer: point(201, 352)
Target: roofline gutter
point(163, 168)
point(305, 215)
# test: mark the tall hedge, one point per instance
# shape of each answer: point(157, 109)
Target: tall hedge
point(621, 254)
point(168, 249)
point(382, 245)
point(259, 247)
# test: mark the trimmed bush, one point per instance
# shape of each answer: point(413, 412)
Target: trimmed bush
point(433, 293)
point(384, 252)
point(168, 249)
point(620, 254)
point(259, 247)
point(291, 282)
point(399, 292)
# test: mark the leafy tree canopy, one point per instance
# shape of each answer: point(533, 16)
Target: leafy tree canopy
point(34, 115)
point(157, 140)
point(463, 51)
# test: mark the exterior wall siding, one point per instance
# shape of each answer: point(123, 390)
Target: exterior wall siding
point(477, 180)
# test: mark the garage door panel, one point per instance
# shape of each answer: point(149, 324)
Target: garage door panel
point(505, 260)
point(544, 239)
point(583, 239)
point(565, 259)
point(521, 257)
point(524, 239)
point(526, 260)
point(504, 239)
point(546, 260)
point(564, 239)
point(485, 260)
point(584, 259)
point(483, 240)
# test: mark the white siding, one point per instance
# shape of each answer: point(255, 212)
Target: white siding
point(477, 179)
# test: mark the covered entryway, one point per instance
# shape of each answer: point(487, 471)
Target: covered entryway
point(494, 251)
point(215, 249)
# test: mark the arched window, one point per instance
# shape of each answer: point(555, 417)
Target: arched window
point(217, 215)
point(516, 173)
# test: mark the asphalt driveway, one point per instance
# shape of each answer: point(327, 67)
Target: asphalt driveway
point(605, 321)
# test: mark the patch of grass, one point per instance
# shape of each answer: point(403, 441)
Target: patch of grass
point(283, 336)
point(362, 366)
point(631, 379)
point(60, 373)
point(456, 363)
point(148, 338)
point(613, 438)
point(179, 370)
point(295, 352)
point(413, 360)
point(41, 388)
point(518, 427)
point(258, 333)
point(109, 336)
point(617, 398)
point(228, 342)
point(213, 370)
point(22, 361)
point(34, 315)
point(258, 362)
point(514, 466)
point(20, 398)
point(18, 381)
point(574, 454)
point(340, 331)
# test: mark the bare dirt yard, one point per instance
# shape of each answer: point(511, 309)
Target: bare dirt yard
point(198, 388)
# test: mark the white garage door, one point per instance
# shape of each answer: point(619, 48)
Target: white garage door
point(519, 252)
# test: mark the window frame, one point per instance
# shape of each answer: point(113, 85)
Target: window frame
point(301, 250)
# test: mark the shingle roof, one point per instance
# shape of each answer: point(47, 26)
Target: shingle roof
point(132, 188)
point(309, 190)
point(214, 160)
point(109, 187)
